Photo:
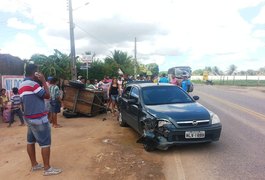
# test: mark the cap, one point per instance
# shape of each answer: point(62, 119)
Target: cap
point(49, 78)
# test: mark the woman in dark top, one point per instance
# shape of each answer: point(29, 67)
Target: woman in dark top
point(113, 93)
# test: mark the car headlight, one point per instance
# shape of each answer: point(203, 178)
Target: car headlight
point(162, 123)
point(215, 119)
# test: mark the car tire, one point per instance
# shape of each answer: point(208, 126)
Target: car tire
point(122, 123)
point(149, 147)
point(69, 114)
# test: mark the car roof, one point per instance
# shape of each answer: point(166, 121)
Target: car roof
point(144, 84)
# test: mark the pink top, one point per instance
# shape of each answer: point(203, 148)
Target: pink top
point(174, 81)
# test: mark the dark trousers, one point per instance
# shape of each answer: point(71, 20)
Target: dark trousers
point(18, 112)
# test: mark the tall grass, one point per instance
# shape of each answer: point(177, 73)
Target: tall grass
point(234, 82)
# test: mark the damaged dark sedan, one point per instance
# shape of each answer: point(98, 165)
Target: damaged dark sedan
point(165, 115)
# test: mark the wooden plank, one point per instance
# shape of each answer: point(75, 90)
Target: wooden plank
point(88, 101)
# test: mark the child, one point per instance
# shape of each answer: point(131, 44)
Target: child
point(15, 107)
point(3, 104)
point(55, 102)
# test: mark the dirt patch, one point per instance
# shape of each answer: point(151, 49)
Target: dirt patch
point(85, 148)
point(122, 162)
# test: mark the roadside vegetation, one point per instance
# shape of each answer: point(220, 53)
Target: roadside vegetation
point(253, 83)
point(59, 65)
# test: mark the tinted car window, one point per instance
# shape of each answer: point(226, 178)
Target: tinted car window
point(164, 95)
point(135, 93)
point(126, 93)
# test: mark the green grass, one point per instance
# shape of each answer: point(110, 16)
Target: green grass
point(234, 83)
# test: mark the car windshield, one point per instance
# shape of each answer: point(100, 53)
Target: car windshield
point(164, 95)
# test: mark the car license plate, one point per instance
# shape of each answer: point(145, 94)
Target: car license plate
point(194, 134)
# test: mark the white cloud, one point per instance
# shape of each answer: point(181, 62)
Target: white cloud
point(15, 23)
point(260, 18)
point(259, 34)
point(23, 46)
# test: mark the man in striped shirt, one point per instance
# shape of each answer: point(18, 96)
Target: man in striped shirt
point(15, 107)
point(35, 115)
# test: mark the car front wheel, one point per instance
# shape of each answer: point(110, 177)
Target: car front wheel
point(149, 146)
point(121, 121)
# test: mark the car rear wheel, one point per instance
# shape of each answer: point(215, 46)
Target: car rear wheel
point(121, 121)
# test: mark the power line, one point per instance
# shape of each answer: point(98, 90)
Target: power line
point(103, 42)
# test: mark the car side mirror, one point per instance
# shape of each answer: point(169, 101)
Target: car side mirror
point(196, 98)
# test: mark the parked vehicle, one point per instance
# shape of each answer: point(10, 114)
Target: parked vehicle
point(179, 71)
point(165, 115)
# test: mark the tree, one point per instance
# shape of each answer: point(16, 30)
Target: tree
point(262, 71)
point(121, 60)
point(216, 71)
point(197, 72)
point(162, 72)
point(153, 67)
point(251, 72)
point(231, 70)
point(57, 65)
point(208, 69)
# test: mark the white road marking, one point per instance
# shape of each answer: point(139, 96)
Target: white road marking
point(173, 168)
point(180, 170)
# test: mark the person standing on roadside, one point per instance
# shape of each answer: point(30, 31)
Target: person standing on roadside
point(35, 115)
point(55, 102)
point(5, 113)
point(174, 81)
point(163, 79)
point(15, 107)
point(113, 93)
point(185, 84)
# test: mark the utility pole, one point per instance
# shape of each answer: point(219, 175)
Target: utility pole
point(72, 42)
point(135, 58)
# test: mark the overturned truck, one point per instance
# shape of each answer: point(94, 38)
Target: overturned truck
point(79, 100)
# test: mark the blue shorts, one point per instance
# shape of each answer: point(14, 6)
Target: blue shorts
point(39, 131)
point(114, 97)
point(55, 106)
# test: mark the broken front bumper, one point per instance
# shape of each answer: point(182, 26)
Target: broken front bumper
point(175, 137)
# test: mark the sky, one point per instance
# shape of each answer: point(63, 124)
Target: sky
point(168, 32)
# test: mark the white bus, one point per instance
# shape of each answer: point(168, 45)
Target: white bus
point(179, 71)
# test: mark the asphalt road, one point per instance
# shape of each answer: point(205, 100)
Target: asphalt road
point(240, 152)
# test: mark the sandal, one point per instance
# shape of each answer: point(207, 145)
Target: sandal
point(52, 171)
point(57, 126)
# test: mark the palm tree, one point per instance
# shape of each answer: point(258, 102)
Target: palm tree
point(57, 64)
point(121, 60)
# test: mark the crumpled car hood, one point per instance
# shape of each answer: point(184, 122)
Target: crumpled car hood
point(179, 112)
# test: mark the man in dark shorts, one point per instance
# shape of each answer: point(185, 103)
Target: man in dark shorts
point(35, 115)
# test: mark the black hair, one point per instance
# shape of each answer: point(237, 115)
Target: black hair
point(3, 89)
point(53, 80)
point(15, 90)
point(31, 69)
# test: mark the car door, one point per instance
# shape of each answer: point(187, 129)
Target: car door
point(123, 104)
point(134, 108)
